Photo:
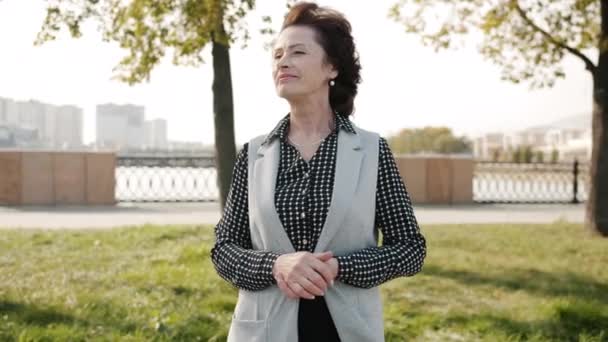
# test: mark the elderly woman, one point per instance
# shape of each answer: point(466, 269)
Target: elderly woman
point(299, 232)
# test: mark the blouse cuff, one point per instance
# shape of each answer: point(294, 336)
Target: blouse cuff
point(345, 267)
point(268, 264)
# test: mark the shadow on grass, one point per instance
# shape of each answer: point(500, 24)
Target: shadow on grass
point(32, 315)
point(201, 324)
point(101, 313)
point(574, 321)
point(567, 322)
point(533, 281)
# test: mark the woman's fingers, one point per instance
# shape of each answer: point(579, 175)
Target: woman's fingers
point(293, 290)
point(324, 270)
point(324, 256)
point(311, 287)
point(299, 290)
point(285, 289)
point(317, 279)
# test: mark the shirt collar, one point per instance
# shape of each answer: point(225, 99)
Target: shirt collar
point(280, 130)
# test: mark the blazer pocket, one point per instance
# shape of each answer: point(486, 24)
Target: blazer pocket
point(247, 331)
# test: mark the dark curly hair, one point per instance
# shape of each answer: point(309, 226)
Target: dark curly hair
point(333, 33)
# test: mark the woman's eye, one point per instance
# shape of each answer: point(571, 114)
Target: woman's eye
point(295, 52)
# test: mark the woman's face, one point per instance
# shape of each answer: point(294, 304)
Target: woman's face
point(299, 64)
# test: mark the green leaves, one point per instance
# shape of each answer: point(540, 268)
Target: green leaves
point(527, 38)
point(148, 29)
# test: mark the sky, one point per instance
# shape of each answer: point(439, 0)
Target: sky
point(405, 85)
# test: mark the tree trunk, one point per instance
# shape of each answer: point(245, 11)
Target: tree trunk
point(223, 115)
point(597, 205)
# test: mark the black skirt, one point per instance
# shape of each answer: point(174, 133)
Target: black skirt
point(314, 321)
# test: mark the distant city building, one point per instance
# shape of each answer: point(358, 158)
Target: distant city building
point(68, 127)
point(534, 137)
point(12, 136)
point(123, 127)
point(570, 143)
point(7, 138)
point(9, 113)
point(36, 124)
point(156, 134)
point(36, 116)
point(484, 146)
point(120, 126)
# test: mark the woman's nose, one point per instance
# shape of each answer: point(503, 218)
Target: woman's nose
point(283, 62)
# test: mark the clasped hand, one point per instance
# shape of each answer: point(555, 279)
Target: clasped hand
point(305, 274)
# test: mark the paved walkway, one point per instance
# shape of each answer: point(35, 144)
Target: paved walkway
point(208, 213)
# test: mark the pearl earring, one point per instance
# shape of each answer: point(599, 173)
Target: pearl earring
point(332, 83)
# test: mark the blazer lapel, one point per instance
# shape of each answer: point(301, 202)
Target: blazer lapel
point(346, 178)
point(265, 176)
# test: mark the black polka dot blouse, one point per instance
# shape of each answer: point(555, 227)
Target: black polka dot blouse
point(302, 197)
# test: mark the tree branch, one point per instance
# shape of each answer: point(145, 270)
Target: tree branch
point(588, 63)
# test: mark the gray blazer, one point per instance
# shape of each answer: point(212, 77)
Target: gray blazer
point(268, 315)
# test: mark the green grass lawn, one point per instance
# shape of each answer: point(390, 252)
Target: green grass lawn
point(479, 283)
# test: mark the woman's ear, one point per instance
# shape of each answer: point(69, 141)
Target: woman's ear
point(334, 73)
